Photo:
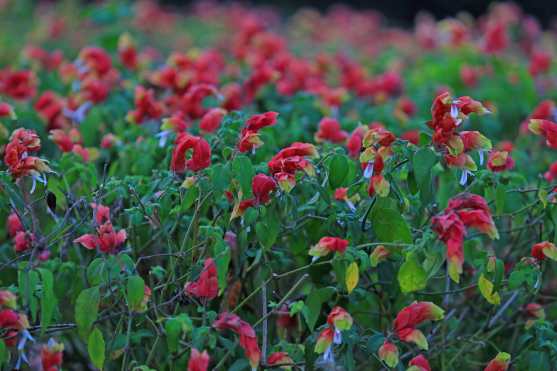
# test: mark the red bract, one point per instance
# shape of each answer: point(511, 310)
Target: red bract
point(279, 359)
point(496, 38)
point(551, 173)
point(463, 211)
point(249, 137)
point(17, 158)
point(545, 128)
point(6, 111)
point(327, 245)
point(127, 52)
point(544, 250)
point(212, 119)
point(262, 186)
point(413, 315)
point(96, 61)
point(288, 161)
point(106, 240)
point(206, 286)
point(146, 107)
point(201, 153)
point(330, 130)
point(419, 363)
point(500, 161)
point(198, 361)
point(388, 353)
point(12, 322)
point(499, 363)
point(540, 62)
point(50, 108)
point(248, 339)
point(52, 355)
point(19, 85)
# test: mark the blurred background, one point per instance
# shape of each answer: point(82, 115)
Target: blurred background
point(404, 11)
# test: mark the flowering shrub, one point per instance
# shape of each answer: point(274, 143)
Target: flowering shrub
point(220, 188)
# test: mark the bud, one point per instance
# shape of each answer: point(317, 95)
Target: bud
point(388, 353)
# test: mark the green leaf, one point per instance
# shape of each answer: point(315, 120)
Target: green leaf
point(86, 310)
point(423, 162)
point(411, 275)
point(4, 354)
point(314, 301)
point(387, 222)
point(96, 348)
point(135, 291)
point(268, 230)
point(48, 300)
point(173, 330)
point(338, 170)
point(243, 171)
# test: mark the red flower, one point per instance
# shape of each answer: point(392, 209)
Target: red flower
point(288, 161)
point(201, 153)
point(206, 286)
point(12, 322)
point(146, 107)
point(339, 319)
point(262, 186)
point(413, 315)
point(388, 353)
point(496, 38)
point(546, 128)
point(551, 173)
point(279, 359)
point(50, 108)
point(6, 110)
point(330, 130)
point(212, 119)
point(52, 356)
point(324, 340)
point(544, 250)
point(464, 210)
point(540, 62)
point(419, 363)
point(198, 361)
point(354, 143)
point(107, 240)
point(327, 245)
point(127, 52)
point(19, 85)
point(13, 224)
point(249, 137)
point(500, 161)
point(499, 363)
point(16, 155)
point(248, 339)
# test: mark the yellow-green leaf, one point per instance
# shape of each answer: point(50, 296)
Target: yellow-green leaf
point(411, 275)
point(486, 289)
point(352, 277)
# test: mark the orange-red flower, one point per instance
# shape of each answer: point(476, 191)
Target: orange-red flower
point(248, 339)
point(499, 363)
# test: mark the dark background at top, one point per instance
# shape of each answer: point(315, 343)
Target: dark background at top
point(404, 11)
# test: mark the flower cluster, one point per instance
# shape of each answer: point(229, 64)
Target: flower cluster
point(463, 211)
point(107, 239)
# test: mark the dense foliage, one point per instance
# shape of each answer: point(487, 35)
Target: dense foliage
point(221, 188)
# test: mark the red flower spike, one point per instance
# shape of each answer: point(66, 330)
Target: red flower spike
point(248, 340)
point(413, 315)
